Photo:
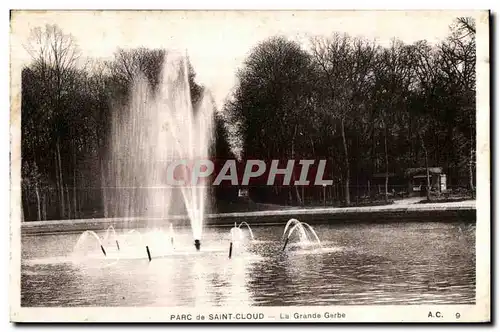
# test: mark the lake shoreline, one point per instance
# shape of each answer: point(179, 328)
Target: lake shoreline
point(439, 212)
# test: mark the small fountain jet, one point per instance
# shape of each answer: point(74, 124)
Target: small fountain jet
point(84, 236)
point(305, 231)
point(244, 223)
point(237, 232)
point(107, 235)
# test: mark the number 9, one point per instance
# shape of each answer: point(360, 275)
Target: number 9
point(457, 315)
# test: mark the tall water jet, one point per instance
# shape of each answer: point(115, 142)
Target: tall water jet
point(135, 184)
point(190, 129)
point(157, 127)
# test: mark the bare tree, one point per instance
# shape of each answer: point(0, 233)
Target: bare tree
point(128, 63)
point(52, 50)
point(458, 66)
point(344, 65)
point(54, 59)
point(393, 80)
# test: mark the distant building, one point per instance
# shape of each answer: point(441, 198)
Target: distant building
point(396, 184)
point(412, 182)
point(417, 179)
point(243, 192)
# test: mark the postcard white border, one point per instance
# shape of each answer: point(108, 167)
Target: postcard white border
point(479, 312)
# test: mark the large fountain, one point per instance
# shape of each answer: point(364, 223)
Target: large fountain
point(159, 127)
point(159, 142)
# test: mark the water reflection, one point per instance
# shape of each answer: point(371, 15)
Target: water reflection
point(358, 264)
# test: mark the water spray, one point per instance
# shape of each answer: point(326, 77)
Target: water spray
point(197, 244)
point(167, 116)
point(103, 251)
point(286, 242)
point(149, 254)
point(248, 227)
point(304, 229)
point(171, 235)
point(230, 249)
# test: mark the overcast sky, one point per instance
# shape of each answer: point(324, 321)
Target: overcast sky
point(218, 42)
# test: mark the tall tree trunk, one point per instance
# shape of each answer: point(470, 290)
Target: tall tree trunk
point(312, 146)
point(346, 161)
point(294, 178)
point(61, 181)
point(428, 191)
point(275, 189)
point(22, 207)
point(334, 189)
point(357, 170)
point(428, 177)
point(471, 160)
point(386, 166)
point(58, 184)
point(38, 201)
point(26, 205)
point(69, 202)
point(357, 186)
point(104, 191)
point(75, 214)
point(37, 192)
point(410, 142)
point(373, 152)
point(44, 205)
point(297, 194)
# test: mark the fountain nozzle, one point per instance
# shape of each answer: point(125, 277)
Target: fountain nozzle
point(197, 244)
point(103, 251)
point(286, 242)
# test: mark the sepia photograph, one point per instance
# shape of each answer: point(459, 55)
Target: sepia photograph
point(249, 166)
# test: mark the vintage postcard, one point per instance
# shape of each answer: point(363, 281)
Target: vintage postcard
point(250, 166)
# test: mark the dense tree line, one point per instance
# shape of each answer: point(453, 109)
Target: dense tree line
point(67, 105)
point(366, 108)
